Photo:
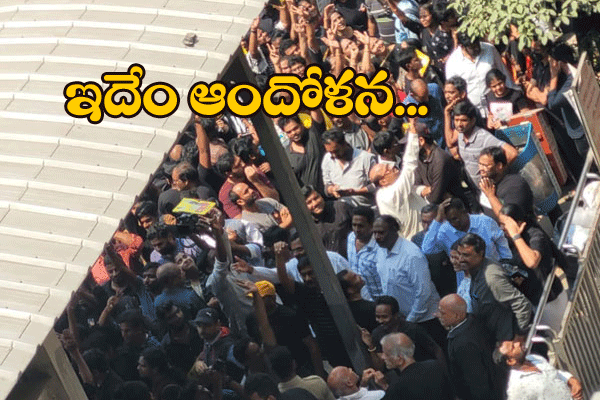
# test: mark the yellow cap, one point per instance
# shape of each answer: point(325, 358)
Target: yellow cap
point(265, 288)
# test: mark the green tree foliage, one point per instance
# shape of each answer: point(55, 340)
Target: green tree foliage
point(491, 19)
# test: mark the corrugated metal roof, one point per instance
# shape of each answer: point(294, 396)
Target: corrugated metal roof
point(64, 184)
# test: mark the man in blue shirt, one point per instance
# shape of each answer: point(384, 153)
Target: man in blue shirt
point(453, 222)
point(431, 94)
point(362, 250)
point(405, 276)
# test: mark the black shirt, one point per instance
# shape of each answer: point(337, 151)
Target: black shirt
point(307, 165)
point(363, 312)
point(312, 304)
point(334, 224)
point(516, 99)
point(514, 189)
point(289, 328)
point(353, 17)
point(183, 355)
point(170, 198)
point(420, 381)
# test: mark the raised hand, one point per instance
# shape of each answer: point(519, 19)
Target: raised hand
point(242, 266)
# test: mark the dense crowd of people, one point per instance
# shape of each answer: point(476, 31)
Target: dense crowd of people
point(433, 237)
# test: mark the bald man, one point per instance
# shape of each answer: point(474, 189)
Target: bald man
point(416, 380)
point(171, 278)
point(395, 195)
point(343, 382)
point(474, 374)
point(430, 94)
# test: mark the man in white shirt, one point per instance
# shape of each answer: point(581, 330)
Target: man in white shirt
point(472, 60)
point(343, 382)
point(396, 195)
point(532, 377)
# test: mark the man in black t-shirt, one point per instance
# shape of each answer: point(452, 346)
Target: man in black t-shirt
point(500, 187)
point(387, 314)
point(362, 310)
point(310, 302)
point(305, 150)
point(291, 330)
point(333, 219)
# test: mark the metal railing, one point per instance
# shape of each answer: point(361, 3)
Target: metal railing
point(577, 345)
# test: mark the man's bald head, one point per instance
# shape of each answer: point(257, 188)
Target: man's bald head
point(419, 90)
point(343, 381)
point(452, 310)
point(383, 174)
point(169, 274)
point(455, 303)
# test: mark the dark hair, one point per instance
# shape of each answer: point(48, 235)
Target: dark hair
point(456, 204)
point(455, 245)
point(465, 107)
point(96, 360)
point(492, 74)
point(283, 121)
point(187, 172)
point(388, 301)
point(224, 164)
point(563, 52)
point(275, 234)
point(343, 282)
point(366, 212)
point(303, 262)
point(442, 12)
point(471, 239)
point(390, 221)
point(282, 362)
point(383, 140)
point(261, 384)
point(423, 132)
point(242, 147)
point(163, 309)
point(413, 42)
point(146, 208)
point(429, 208)
point(405, 56)
point(284, 45)
point(515, 212)
point(465, 40)
point(233, 196)
point(459, 83)
point(150, 265)
point(133, 317)
point(156, 359)
point(429, 7)
point(294, 59)
point(132, 390)
point(497, 154)
point(159, 230)
point(279, 34)
point(333, 135)
point(307, 190)
point(210, 127)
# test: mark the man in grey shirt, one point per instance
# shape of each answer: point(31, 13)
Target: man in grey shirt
point(503, 309)
point(265, 213)
point(346, 170)
point(472, 139)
